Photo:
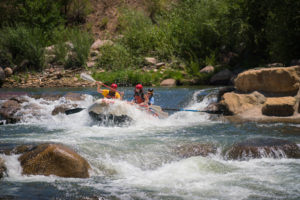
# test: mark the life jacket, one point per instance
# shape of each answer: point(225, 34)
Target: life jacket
point(150, 97)
point(111, 95)
point(139, 98)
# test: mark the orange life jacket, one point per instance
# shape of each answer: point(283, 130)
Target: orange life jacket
point(139, 98)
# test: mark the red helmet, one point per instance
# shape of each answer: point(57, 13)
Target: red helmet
point(115, 86)
point(139, 86)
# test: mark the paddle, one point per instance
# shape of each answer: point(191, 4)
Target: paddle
point(89, 78)
point(187, 110)
point(73, 111)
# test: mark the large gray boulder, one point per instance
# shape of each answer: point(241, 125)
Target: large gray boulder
point(222, 78)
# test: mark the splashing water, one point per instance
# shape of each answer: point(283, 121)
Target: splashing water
point(139, 162)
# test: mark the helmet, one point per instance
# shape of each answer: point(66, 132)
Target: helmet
point(139, 86)
point(114, 86)
point(150, 90)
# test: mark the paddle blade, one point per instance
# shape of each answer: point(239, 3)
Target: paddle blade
point(73, 111)
point(87, 77)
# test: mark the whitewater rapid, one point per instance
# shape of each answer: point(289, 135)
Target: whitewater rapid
point(138, 161)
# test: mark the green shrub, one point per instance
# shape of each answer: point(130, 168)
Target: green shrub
point(72, 47)
point(23, 44)
point(115, 57)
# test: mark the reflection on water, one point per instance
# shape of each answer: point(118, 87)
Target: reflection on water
point(138, 162)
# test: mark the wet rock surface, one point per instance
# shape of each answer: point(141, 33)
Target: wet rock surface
point(8, 110)
point(2, 168)
point(189, 150)
point(263, 147)
point(54, 159)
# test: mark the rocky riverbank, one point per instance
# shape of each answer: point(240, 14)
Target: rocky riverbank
point(52, 77)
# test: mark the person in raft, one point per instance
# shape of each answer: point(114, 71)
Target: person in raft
point(139, 97)
point(109, 94)
point(150, 96)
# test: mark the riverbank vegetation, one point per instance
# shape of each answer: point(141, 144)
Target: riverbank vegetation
point(186, 35)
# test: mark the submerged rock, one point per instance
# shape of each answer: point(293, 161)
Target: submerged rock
point(2, 168)
point(54, 159)
point(270, 80)
point(263, 147)
point(280, 106)
point(8, 110)
point(189, 150)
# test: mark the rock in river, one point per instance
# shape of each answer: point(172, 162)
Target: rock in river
point(8, 110)
point(263, 147)
point(270, 80)
point(279, 106)
point(189, 150)
point(233, 103)
point(54, 159)
point(2, 168)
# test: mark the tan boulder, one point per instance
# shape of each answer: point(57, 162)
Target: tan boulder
point(233, 103)
point(207, 70)
point(269, 80)
point(168, 82)
point(54, 159)
point(8, 71)
point(100, 43)
point(150, 60)
point(279, 106)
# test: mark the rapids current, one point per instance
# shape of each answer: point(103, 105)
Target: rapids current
point(138, 161)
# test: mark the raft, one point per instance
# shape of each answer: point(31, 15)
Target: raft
point(115, 112)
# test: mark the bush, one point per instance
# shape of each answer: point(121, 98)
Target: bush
point(115, 57)
point(72, 47)
point(23, 44)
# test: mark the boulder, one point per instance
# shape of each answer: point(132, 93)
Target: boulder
point(100, 43)
point(168, 82)
point(150, 60)
point(263, 147)
point(189, 150)
point(54, 159)
point(222, 78)
point(283, 80)
point(158, 65)
point(207, 70)
point(295, 62)
point(233, 103)
point(8, 71)
point(74, 96)
point(2, 168)
point(8, 111)
point(279, 106)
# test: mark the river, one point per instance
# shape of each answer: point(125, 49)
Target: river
point(138, 161)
